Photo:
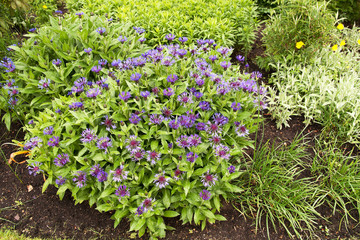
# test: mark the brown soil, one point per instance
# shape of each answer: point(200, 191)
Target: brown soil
point(23, 206)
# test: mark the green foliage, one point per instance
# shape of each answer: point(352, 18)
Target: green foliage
point(349, 9)
point(325, 91)
point(8, 11)
point(338, 175)
point(162, 178)
point(274, 191)
point(296, 20)
point(228, 22)
point(43, 9)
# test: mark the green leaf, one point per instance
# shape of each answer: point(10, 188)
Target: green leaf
point(217, 203)
point(166, 199)
point(104, 207)
point(220, 218)
point(136, 225)
point(61, 191)
point(202, 147)
point(187, 187)
point(154, 145)
point(46, 184)
point(106, 193)
point(208, 213)
point(233, 188)
point(7, 119)
point(170, 214)
point(197, 216)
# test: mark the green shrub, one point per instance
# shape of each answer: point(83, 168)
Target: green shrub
point(156, 132)
point(326, 90)
point(349, 9)
point(228, 22)
point(296, 21)
point(43, 9)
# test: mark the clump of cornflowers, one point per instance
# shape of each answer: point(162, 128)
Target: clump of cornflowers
point(80, 179)
point(160, 180)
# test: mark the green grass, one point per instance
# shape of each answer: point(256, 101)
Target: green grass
point(11, 234)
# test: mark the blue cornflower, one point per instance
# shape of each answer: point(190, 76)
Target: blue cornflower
point(236, 106)
point(93, 92)
point(12, 102)
point(145, 94)
point(60, 180)
point(172, 78)
point(183, 39)
point(135, 77)
point(213, 58)
point(54, 141)
point(122, 39)
point(231, 169)
point(80, 14)
point(198, 94)
point(88, 135)
point(205, 195)
point(102, 62)
point(225, 65)
point(80, 179)
point(96, 69)
point(104, 143)
point(170, 37)
point(56, 62)
point(61, 159)
point(108, 123)
point(88, 50)
point(122, 192)
point(48, 130)
point(240, 58)
point(34, 168)
point(181, 53)
point(191, 157)
point(204, 105)
point(156, 119)
point(32, 30)
point(168, 92)
point(44, 84)
point(125, 96)
point(101, 30)
point(134, 118)
point(142, 40)
point(139, 30)
point(167, 61)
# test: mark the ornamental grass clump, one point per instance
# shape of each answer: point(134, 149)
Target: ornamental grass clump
point(154, 133)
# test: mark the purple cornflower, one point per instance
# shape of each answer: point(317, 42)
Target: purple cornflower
point(156, 119)
point(215, 140)
point(208, 179)
point(95, 170)
point(135, 77)
point(199, 81)
point(56, 62)
point(155, 90)
point(133, 144)
point(108, 123)
point(61, 159)
point(137, 154)
point(134, 118)
point(76, 105)
point(139, 210)
point(31, 122)
point(224, 51)
point(198, 94)
point(80, 14)
point(260, 104)
point(102, 62)
point(58, 12)
point(142, 40)
point(33, 142)
point(240, 58)
point(177, 174)
point(170, 145)
point(44, 84)
point(80, 179)
point(12, 102)
point(93, 92)
point(122, 39)
point(191, 157)
point(88, 50)
point(186, 122)
point(204, 105)
point(96, 69)
point(58, 111)
point(125, 96)
point(101, 30)
point(181, 53)
point(200, 126)
point(231, 169)
point(122, 192)
point(242, 131)
point(147, 204)
point(236, 106)
point(104, 143)
point(161, 181)
point(256, 75)
point(139, 30)
point(167, 61)
point(34, 168)
point(212, 128)
point(183, 39)
point(183, 141)
point(205, 195)
point(13, 91)
point(48, 130)
point(60, 180)
point(170, 37)
point(168, 92)
point(194, 140)
point(153, 157)
point(172, 78)
point(119, 174)
point(80, 82)
point(185, 98)
point(54, 141)
point(247, 65)
point(222, 151)
point(32, 30)
point(9, 83)
point(102, 176)
point(220, 119)
point(145, 94)
point(225, 65)
point(88, 136)
point(174, 124)
point(213, 58)
point(167, 112)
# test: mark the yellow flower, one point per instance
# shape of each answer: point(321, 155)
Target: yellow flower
point(44, 7)
point(335, 47)
point(340, 26)
point(299, 44)
point(359, 41)
point(342, 43)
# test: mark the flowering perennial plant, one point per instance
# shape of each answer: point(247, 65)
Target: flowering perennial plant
point(137, 150)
